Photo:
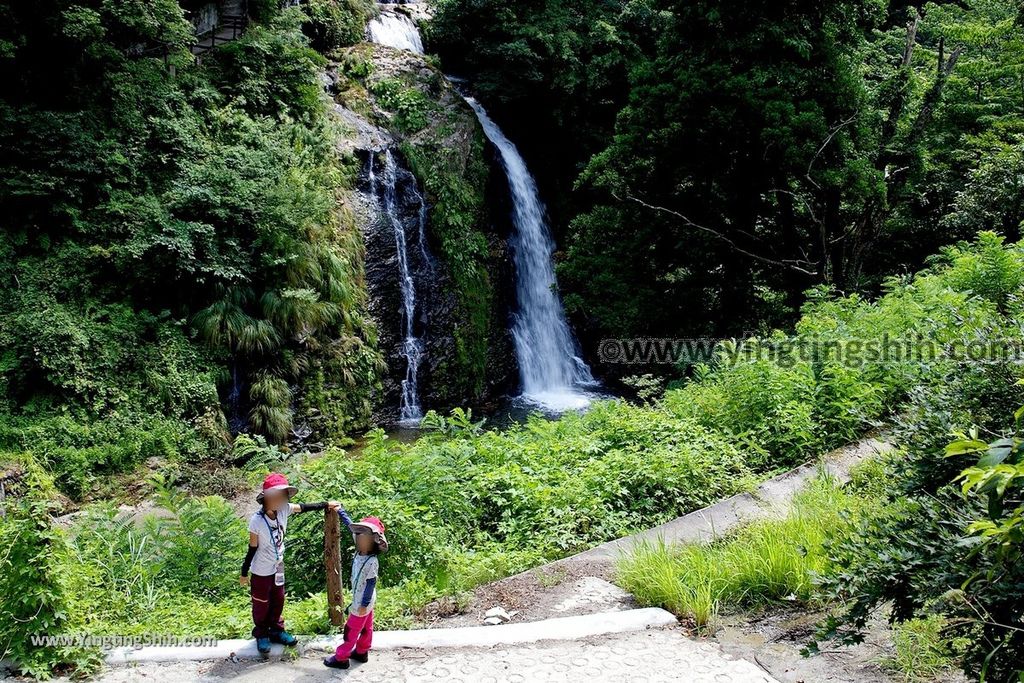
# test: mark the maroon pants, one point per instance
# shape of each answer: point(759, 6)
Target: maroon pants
point(267, 604)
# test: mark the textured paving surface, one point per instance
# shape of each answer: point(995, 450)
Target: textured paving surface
point(656, 656)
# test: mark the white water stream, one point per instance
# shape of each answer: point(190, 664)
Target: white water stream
point(552, 372)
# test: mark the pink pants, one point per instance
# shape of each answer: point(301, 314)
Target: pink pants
point(358, 636)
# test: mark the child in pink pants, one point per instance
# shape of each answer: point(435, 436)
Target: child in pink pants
point(368, 534)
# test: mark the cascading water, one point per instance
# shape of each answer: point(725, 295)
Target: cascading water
point(550, 367)
point(385, 188)
point(396, 30)
point(551, 371)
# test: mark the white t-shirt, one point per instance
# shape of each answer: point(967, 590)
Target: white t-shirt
point(271, 534)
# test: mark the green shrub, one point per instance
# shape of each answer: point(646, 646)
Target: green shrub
point(921, 652)
point(34, 580)
point(986, 267)
point(767, 406)
point(125, 569)
point(409, 105)
point(193, 234)
point(335, 23)
point(80, 452)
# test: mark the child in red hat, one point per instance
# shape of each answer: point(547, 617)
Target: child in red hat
point(368, 534)
point(265, 559)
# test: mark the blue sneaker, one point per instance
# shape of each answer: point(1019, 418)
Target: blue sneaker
point(283, 637)
point(263, 645)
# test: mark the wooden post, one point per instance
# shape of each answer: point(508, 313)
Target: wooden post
point(332, 562)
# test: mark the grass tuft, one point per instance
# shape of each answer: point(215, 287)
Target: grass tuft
point(767, 560)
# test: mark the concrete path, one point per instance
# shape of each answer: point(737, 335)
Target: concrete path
point(771, 497)
point(545, 591)
point(656, 656)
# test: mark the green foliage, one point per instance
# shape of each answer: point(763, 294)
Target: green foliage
point(920, 544)
point(172, 233)
point(814, 154)
point(78, 453)
point(126, 570)
point(458, 501)
point(410, 106)
point(931, 548)
point(921, 651)
point(175, 571)
point(335, 23)
point(38, 592)
point(647, 386)
point(987, 268)
point(465, 504)
point(455, 189)
point(256, 455)
point(459, 423)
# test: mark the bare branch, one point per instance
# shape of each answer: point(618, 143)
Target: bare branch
point(802, 199)
point(785, 263)
point(828, 139)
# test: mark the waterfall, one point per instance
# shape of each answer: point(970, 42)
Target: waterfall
point(551, 371)
point(237, 421)
point(550, 368)
point(396, 30)
point(385, 188)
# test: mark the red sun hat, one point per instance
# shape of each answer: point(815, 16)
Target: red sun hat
point(373, 526)
point(276, 482)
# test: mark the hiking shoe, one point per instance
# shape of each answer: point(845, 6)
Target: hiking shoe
point(363, 657)
point(263, 645)
point(335, 663)
point(284, 638)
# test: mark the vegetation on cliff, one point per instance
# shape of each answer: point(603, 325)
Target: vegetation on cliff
point(176, 255)
point(439, 137)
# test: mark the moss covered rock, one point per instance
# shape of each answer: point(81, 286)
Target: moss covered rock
point(412, 109)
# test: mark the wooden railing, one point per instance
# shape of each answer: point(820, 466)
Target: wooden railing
point(230, 27)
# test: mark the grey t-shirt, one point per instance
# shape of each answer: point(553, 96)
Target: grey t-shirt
point(271, 534)
point(364, 568)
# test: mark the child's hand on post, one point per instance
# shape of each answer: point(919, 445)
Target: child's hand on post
point(333, 505)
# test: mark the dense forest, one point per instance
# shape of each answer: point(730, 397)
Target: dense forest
point(219, 261)
point(708, 162)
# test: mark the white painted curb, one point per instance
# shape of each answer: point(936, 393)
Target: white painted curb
point(563, 628)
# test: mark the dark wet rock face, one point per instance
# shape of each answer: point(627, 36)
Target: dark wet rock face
point(458, 259)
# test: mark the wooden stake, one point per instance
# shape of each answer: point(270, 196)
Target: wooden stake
point(332, 562)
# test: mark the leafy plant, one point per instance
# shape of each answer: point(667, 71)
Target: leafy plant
point(38, 599)
point(921, 651)
point(459, 423)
